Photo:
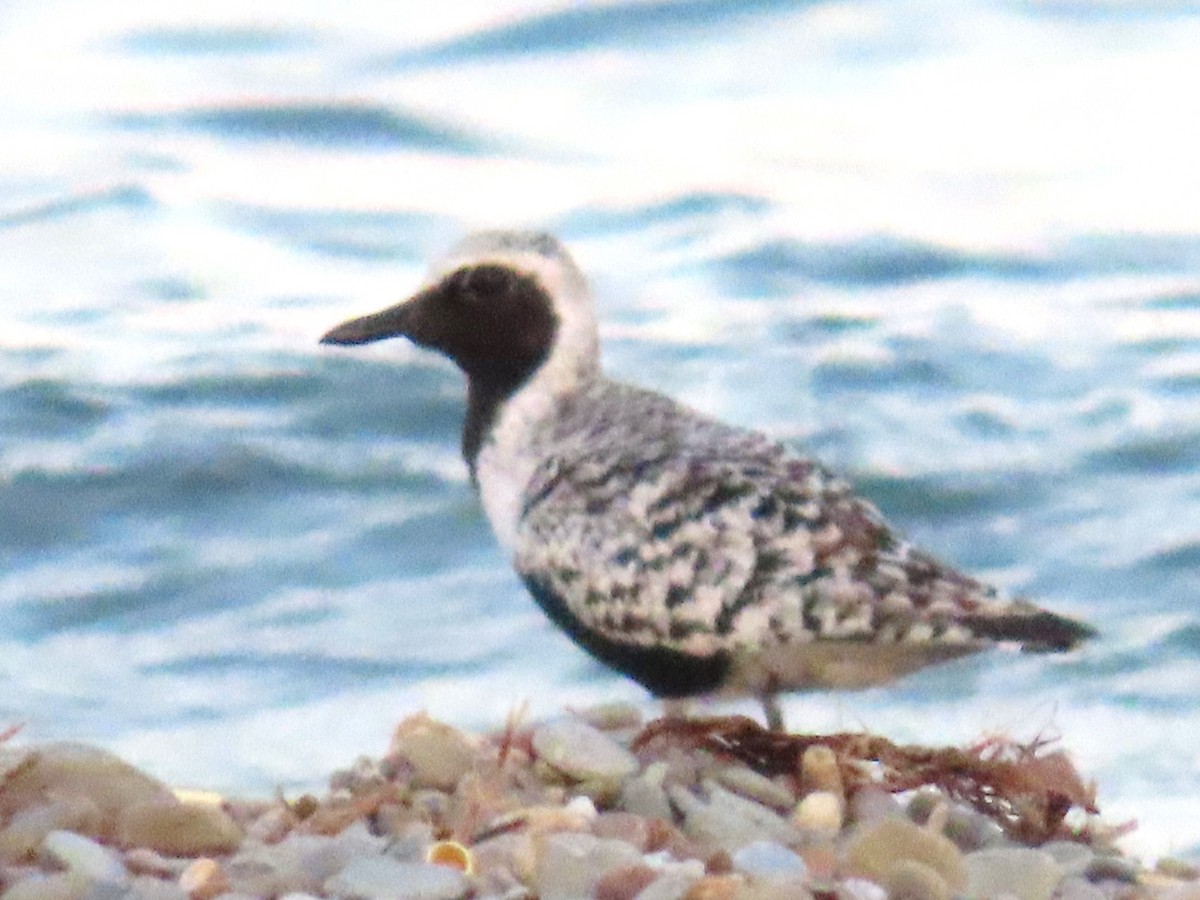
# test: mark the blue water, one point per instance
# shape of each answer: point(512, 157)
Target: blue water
point(953, 249)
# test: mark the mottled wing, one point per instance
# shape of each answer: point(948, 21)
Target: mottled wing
point(687, 564)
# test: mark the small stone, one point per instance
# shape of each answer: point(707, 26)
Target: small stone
point(819, 771)
point(872, 804)
point(715, 887)
point(860, 889)
point(1018, 871)
point(878, 849)
point(912, 880)
point(618, 715)
point(727, 821)
point(643, 795)
point(60, 886)
point(582, 752)
point(971, 830)
point(1177, 868)
point(300, 862)
point(923, 803)
point(777, 887)
point(768, 859)
point(1112, 868)
point(623, 882)
point(371, 877)
point(84, 857)
point(272, 826)
point(753, 786)
point(819, 812)
point(1179, 892)
point(178, 829)
point(504, 863)
point(823, 859)
point(1077, 888)
point(144, 887)
point(28, 827)
point(36, 775)
point(440, 755)
point(570, 864)
point(203, 879)
point(625, 827)
point(669, 886)
point(1073, 858)
point(144, 861)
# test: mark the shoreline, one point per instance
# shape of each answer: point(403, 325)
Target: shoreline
point(596, 803)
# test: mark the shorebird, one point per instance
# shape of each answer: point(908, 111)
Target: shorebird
point(696, 557)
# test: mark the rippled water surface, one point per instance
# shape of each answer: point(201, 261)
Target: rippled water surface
point(953, 249)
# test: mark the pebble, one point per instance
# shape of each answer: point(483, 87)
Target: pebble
point(37, 774)
point(923, 803)
point(178, 829)
point(860, 889)
point(623, 882)
point(878, 849)
point(715, 887)
point(27, 828)
point(583, 752)
point(300, 862)
point(776, 888)
point(675, 822)
point(971, 830)
point(767, 859)
point(727, 821)
point(1112, 868)
point(571, 863)
point(1021, 872)
point(753, 786)
point(1177, 868)
point(83, 856)
point(643, 795)
point(1072, 858)
point(912, 880)
point(819, 813)
point(439, 754)
point(144, 887)
point(59, 886)
point(371, 877)
point(626, 827)
point(143, 861)
point(203, 879)
point(669, 886)
point(1076, 888)
point(871, 804)
point(819, 771)
point(614, 716)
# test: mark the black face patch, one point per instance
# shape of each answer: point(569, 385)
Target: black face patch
point(498, 325)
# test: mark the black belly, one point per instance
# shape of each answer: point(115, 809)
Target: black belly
point(662, 671)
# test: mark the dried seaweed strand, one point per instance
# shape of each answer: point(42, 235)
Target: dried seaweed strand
point(1027, 790)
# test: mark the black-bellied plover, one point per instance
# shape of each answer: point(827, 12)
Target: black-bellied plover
point(695, 557)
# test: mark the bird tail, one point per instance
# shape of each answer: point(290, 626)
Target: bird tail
point(1036, 630)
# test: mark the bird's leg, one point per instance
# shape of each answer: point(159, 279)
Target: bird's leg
point(771, 709)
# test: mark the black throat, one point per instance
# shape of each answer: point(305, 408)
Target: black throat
point(484, 399)
point(502, 330)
